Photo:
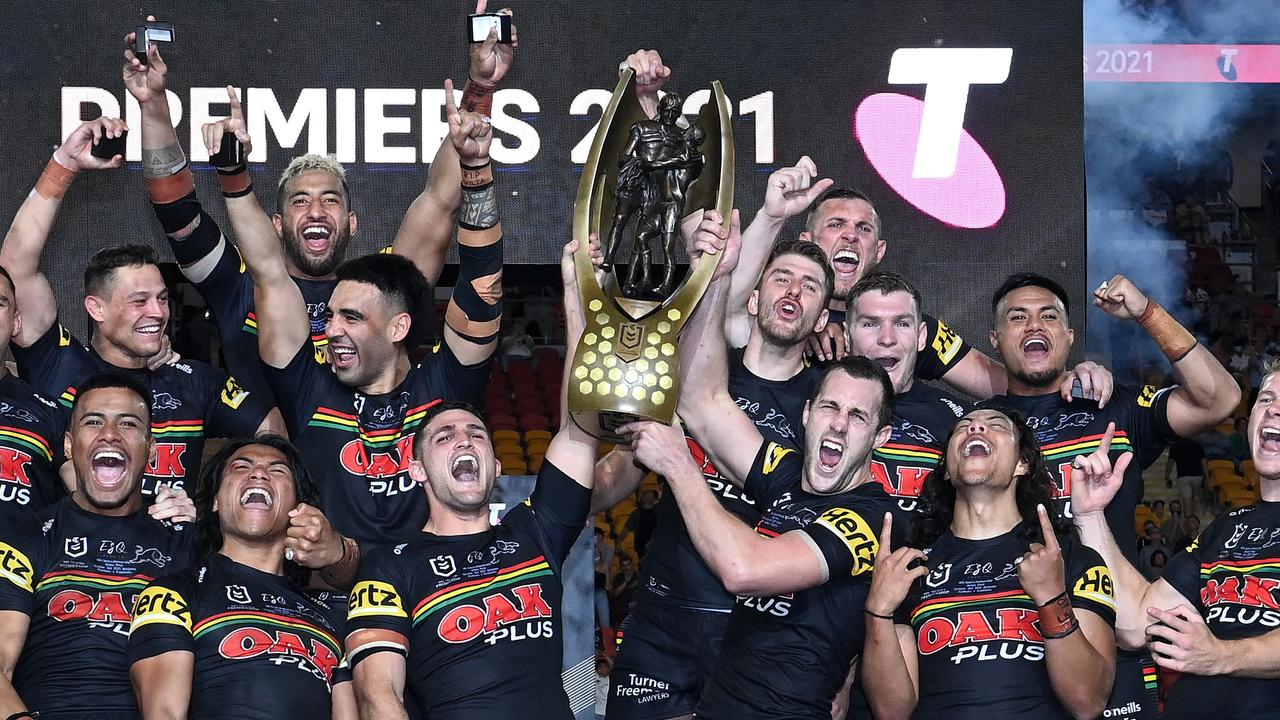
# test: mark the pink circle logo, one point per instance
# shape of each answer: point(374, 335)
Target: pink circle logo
point(887, 126)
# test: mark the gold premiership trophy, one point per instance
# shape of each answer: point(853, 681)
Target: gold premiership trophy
point(655, 172)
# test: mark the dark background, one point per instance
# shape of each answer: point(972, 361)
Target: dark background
point(819, 59)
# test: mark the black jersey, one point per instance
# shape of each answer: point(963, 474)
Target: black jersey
point(190, 401)
point(923, 418)
point(944, 350)
point(359, 446)
point(479, 614)
point(978, 641)
point(1231, 576)
point(263, 648)
point(228, 291)
point(1065, 430)
point(80, 575)
point(31, 430)
point(672, 571)
point(786, 656)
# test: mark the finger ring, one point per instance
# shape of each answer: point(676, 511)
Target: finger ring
point(1017, 561)
point(288, 553)
point(1103, 286)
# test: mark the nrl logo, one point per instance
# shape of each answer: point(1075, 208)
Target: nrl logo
point(443, 565)
point(938, 576)
point(239, 594)
point(75, 547)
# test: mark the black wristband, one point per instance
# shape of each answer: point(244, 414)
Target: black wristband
point(23, 714)
point(877, 615)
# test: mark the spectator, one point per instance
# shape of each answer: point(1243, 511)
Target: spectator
point(603, 565)
point(1157, 509)
point(1155, 568)
point(642, 521)
point(1238, 444)
point(1187, 466)
point(516, 344)
point(1175, 526)
point(1155, 545)
point(623, 589)
point(1193, 531)
point(604, 666)
point(1149, 532)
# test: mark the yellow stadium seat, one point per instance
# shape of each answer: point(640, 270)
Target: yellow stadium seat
point(537, 446)
point(1221, 465)
point(531, 435)
point(500, 436)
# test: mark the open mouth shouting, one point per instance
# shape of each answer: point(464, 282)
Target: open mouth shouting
point(977, 447)
point(787, 309)
point(342, 356)
point(466, 468)
point(829, 454)
point(846, 262)
point(1269, 440)
point(315, 238)
point(1035, 348)
point(107, 466)
point(257, 498)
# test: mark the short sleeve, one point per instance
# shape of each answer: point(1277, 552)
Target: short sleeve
point(20, 545)
point(1091, 585)
point(1148, 424)
point(1183, 569)
point(234, 411)
point(296, 384)
point(377, 613)
point(54, 363)
point(162, 619)
point(943, 350)
point(447, 378)
point(846, 540)
point(559, 506)
point(776, 470)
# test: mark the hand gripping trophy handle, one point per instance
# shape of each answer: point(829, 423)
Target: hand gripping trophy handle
point(626, 366)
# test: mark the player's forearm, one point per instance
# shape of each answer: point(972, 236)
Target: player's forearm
point(1081, 678)
point(34, 220)
point(157, 126)
point(1208, 387)
point(723, 541)
point(704, 360)
point(475, 308)
point(428, 224)
point(344, 703)
point(10, 702)
point(1130, 585)
point(757, 241)
point(885, 676)
point(978, 376)
point(342, 574)
point(616, 477)
point(1255, 657)
point(380, 702)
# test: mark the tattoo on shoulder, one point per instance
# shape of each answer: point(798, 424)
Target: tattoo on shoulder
point(480, 207)
point(162, 162)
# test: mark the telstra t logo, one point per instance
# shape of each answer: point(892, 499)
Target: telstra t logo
point(921, 149)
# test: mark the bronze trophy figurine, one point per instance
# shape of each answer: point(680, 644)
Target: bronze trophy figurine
point(653, 172)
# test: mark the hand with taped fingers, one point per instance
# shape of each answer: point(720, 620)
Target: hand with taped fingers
point(1040, 570)
point(212, 132)
point(492, 60)
point(172, 504)
point(144, 82)
point(1120, 298)
point(829, 343)
point(470, 133)
point(1180, 640)
point(661, 448)
point(895, 572)
point(310, 540)
point(791, 190)
point(1096, 383)
point(1094, 480)
point(76, 152)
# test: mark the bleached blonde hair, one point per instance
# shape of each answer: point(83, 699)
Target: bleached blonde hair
point(308, 162)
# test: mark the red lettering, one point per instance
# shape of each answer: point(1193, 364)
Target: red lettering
point(249, 642)
point(467, 622)
point(881, 475)
point(909, 481)
point(357, 460)
point(498, 610)
point(1062, 483)
point(461, 624)
point(1019, 624)
point(13, 466)
point(168, 460)
point(323, 658)
point(935, 635)
point(245, 642)
point(972, 626)
point(702, 459)
point(533, 605)
point(70, 605)
point(110, 607)
point(1257, 592)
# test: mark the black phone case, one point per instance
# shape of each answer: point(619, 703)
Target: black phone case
point(108, 148)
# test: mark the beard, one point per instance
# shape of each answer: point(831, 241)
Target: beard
point(317, 267)
point(1042, 379)
point(776, 333)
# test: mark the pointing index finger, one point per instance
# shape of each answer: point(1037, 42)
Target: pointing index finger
point(1046, 527)
point(886, 535)
point(1104, 447)
point(237, 113)
point(450, 107)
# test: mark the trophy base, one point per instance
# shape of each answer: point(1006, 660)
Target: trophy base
point(603, 424)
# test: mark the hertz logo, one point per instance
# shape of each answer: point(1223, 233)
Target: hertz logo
point(160, 605)
point(232, 394)
point(856, 534)
point(773, 455)
point(16, 567)
point(1147, 396)
point(374, 597)
point(946, 343)
point(1096, 584)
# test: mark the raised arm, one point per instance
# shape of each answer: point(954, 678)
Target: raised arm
point(163, 684)
point(25, 241)
point(890, 666)
point(790, 191)
point(474, 314)
point(1206, 393)
point(616, 477)
point(379, 686)
point(710, 413)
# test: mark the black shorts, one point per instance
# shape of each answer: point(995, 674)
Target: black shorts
point(1133, 697)
point(667, 654)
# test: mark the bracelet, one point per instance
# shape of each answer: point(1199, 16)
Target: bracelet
point(1057, 620)
point(477, 97)
point(54, 181)
point(477, 176)
point(877, 615)
point(1173, 339)
point(23, 714)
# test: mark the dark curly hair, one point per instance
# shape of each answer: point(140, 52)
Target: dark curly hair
point(938, 496)
point(207, 528)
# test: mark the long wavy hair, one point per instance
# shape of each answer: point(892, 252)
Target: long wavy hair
point(208, 528)
point(938, 495)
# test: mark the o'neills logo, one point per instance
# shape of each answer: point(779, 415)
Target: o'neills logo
point(250, 642)
point(497, 616)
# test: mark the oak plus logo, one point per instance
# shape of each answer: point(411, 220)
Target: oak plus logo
point(921, 148)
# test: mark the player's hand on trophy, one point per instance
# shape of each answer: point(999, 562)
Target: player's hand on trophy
point(1094, 479)
point(471, 133)
point(894, 572)
point(1120, 298)
point(662, 448)
point(144, 82)
point(793, 189)
point(651, 73)
point(77, 152)
point(829, 343)
point(568, 274)
point(490, 60)
point(711, 240)
point(212, 132)
point(1040, 568)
